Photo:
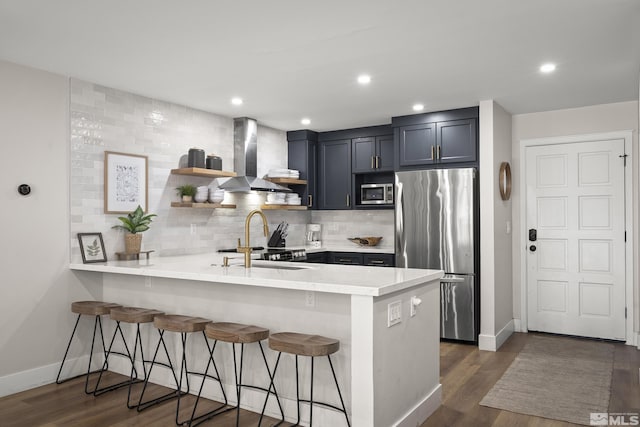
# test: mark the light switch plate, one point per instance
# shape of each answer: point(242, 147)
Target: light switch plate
point(394, 313)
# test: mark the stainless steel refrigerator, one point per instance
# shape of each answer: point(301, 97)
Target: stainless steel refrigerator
point(435, 218)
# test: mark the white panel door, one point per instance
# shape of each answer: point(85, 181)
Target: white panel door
point(576, 265)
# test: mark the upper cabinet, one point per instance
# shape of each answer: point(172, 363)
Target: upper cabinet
point(303, 156)
point(448, 137)
point(372, 154)
point(334, 175)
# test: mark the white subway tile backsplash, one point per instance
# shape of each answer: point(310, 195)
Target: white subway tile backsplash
point(105, 119)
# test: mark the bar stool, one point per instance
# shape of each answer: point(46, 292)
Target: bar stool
point(305, 345)
point(234, 333)
point(137, 316)
point(88, 308)
point(183, 325)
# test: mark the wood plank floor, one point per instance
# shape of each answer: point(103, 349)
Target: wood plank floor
point(467, 374)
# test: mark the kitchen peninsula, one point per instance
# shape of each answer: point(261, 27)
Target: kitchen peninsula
point(389, 375)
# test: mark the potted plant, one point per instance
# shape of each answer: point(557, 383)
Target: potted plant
point(134, 223)
point(187, 192)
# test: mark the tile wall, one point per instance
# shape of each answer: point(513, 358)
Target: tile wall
point(104, 119)
point(338, 225)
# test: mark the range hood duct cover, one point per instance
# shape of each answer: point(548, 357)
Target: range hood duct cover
point(245, 160)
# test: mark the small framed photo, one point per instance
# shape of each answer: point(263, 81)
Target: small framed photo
point(125, 182)
point(92, 247)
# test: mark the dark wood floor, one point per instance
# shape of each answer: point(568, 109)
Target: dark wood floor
point(467, 374)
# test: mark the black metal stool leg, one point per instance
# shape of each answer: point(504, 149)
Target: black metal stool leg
point(297, 392)
point(64, 358)
point(138, 342)
point(141, 406)
point(344, 409)
point(97, 323)
point(271, 385)
point(97, 391)
point(264, 357)
point(311, 396)
point(194, 421)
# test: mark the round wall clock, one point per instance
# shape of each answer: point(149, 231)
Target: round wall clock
point(504, 180)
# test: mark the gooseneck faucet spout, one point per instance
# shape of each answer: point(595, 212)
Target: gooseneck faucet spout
point(246, 249)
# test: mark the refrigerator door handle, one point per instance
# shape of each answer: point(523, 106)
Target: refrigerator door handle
point(450, 279)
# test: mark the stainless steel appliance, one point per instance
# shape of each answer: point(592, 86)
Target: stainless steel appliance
point(435, 216)
point(376, 194)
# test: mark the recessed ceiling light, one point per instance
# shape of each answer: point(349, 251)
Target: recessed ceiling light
point(236, 101)
point(548, 67)
point(418, 107)
point(305, 121)
point(364, 79)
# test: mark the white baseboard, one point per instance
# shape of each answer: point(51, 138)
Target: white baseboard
point(517, 325)
point(423, 410)
point(31, 378)
point(494, 342)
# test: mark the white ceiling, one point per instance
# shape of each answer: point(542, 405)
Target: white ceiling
point(290, 59)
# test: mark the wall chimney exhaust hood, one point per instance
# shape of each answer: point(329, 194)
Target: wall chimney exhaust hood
point(245, 156)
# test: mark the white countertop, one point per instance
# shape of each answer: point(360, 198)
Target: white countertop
point(339, 279)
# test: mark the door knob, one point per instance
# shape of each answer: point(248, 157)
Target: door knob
point(533, 234)
point(532, 248)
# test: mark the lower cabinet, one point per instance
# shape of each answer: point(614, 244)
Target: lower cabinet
point(379, 260)
point(347, 258)
point(352, 258)
point(317, 257)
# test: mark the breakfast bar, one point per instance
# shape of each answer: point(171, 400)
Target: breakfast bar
point(386, 319)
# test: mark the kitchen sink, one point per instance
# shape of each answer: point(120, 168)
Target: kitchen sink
point(279, 267)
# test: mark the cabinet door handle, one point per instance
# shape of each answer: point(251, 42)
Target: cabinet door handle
point(377, 162)
point(348, 199)
point(438, 152)
point(345, 261)
point(433, 152)
point(310, 200)
point(372, 163)
point(376, 261)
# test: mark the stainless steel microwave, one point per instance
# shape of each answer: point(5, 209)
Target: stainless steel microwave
point(376, 194)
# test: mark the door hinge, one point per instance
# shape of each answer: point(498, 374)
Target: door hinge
point(624, 159)
point(625, 312)
point(625, 236)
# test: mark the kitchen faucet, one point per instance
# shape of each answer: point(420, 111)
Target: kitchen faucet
point(247, 248)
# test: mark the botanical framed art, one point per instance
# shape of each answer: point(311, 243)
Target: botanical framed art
point(92, 247)
point(125, 182)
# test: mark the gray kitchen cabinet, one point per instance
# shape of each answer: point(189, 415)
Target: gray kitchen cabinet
point(334, 174)
point(432, 139)
point(372, 154)
point(303, 156)
point(346, 258)
point(379, 260)
point(417, 144)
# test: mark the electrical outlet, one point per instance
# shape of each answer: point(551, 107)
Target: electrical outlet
point(394, 313)
point(194, 229)
point(415, 302)
point(148, 282)
point(310, 299)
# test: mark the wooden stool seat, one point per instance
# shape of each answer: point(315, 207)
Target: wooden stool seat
point(235, 332)
point(303, 344)
point(180, 323)
point(93, 308)
point(134, 314)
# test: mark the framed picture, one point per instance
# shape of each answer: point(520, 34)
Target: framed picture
point(125, 182)
point(92, 247)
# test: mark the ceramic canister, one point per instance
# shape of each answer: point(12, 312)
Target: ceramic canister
point(196, 158)
point(214, 162)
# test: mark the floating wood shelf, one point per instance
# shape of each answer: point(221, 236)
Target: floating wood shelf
point(288, 181)
point(284, 207)
point(207, 173)
point(202, 205)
